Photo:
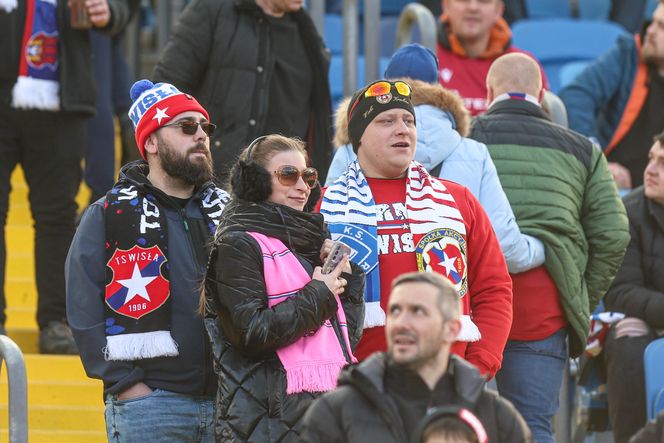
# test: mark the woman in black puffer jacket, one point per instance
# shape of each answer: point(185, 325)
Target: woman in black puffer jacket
point(274, 358)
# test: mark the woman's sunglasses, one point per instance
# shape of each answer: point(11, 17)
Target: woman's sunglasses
point(289, 175)
point(190, 127)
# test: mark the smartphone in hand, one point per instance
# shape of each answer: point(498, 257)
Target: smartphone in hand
point(338, 251)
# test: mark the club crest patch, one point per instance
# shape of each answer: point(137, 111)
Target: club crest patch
point(444, 251)
point(138, 286)
point(384, 99)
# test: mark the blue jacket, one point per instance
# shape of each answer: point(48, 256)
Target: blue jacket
point(439, 115)
point(597, 98)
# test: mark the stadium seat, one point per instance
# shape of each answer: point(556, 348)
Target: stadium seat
point(334, 33)
point(336, 75)
point(556, 42)
point(538, 9)
point(569, 71)
point(653, 362)
point(594, 9)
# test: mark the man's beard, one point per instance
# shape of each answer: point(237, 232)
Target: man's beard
point(178, 166)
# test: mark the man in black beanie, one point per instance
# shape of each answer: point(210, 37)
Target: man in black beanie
point(397, 219)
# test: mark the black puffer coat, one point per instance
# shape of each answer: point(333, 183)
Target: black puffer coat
point(361, 411)
point(252, 405)
point(221, 52)
point(638, 289)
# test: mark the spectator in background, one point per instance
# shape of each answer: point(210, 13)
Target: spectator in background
point(47, 91)
point(638, 292)
point(398, 218)
point(99, 173)
point(134, 271)
point(561, 192)
point(617, 100)
point(384, 398)
point(260, 67)
point(471, 35)
point(443, 149)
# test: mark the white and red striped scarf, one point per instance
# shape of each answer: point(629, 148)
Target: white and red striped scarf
point(435, 222)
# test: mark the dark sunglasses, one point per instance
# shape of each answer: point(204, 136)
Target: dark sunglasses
point(190, 127)
point(289, 175)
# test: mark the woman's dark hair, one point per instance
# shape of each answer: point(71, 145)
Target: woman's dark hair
point(250, 180)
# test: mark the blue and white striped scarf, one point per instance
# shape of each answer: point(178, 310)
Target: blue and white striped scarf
point(350, 211)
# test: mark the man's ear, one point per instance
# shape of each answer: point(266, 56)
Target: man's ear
point(151, 144)
point(489, 94)
point(451, 330)
point(541, 95)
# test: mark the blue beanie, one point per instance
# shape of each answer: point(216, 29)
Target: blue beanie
point(414, 61)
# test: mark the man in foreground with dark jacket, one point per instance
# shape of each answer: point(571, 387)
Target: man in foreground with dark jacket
point(638, 292)
point(260, 67)
point(385, 397)
point(134, 272)
point(561, 192)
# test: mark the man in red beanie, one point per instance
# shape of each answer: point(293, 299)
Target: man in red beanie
point(133, 273)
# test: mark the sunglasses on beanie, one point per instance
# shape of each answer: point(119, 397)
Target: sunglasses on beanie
point(190, 127)
point(289, 175)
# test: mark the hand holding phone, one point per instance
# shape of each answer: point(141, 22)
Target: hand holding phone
point(335, 256)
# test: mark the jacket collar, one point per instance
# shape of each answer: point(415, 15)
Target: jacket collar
point(368, 378)
point(302, 232)
point(517, 107)
point(656, 211)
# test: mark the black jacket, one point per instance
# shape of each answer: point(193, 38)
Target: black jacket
point(638, 289)
point(77, 84)
point(252, 404)
point(361, 411)
point(191, 371)
point(220, 52)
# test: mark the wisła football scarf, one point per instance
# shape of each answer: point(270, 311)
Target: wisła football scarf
point(37, 85)
point(438, 229)
point(137, 296)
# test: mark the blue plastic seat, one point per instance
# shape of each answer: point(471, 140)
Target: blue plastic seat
point(594, 9)
point(538, 9)
point(334, 33)
point(556, 42)
point(653, 363)
point(569, 71)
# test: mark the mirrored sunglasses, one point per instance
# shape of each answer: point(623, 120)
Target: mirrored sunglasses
point(190, 127)
point(383, 87)
point(289, 175)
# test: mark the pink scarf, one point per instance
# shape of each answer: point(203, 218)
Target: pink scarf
point(313, 362)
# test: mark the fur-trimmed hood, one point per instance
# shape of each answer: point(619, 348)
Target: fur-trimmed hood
point(423, 94)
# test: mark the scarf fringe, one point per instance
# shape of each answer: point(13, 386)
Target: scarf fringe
point(139, 346)
point(35, 93)
point(373, 315)
point(8, 5)
point(314, 377)
point(469, 330)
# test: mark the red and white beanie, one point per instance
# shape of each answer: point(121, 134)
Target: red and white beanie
point(155, 105)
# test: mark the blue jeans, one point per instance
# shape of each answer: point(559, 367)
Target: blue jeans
point(530, 378)
point(162, 416)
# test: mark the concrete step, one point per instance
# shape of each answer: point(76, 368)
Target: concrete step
point(21, 291)
point(27, 338)
point(63, 403)
point(20, 238)
point(57, 436)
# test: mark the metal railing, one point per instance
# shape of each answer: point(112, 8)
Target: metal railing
point(420, 15)
point(18, 389)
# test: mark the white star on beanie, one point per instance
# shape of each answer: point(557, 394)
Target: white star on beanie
point(159, 114)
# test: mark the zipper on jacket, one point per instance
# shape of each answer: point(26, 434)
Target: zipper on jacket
point(340, 337)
